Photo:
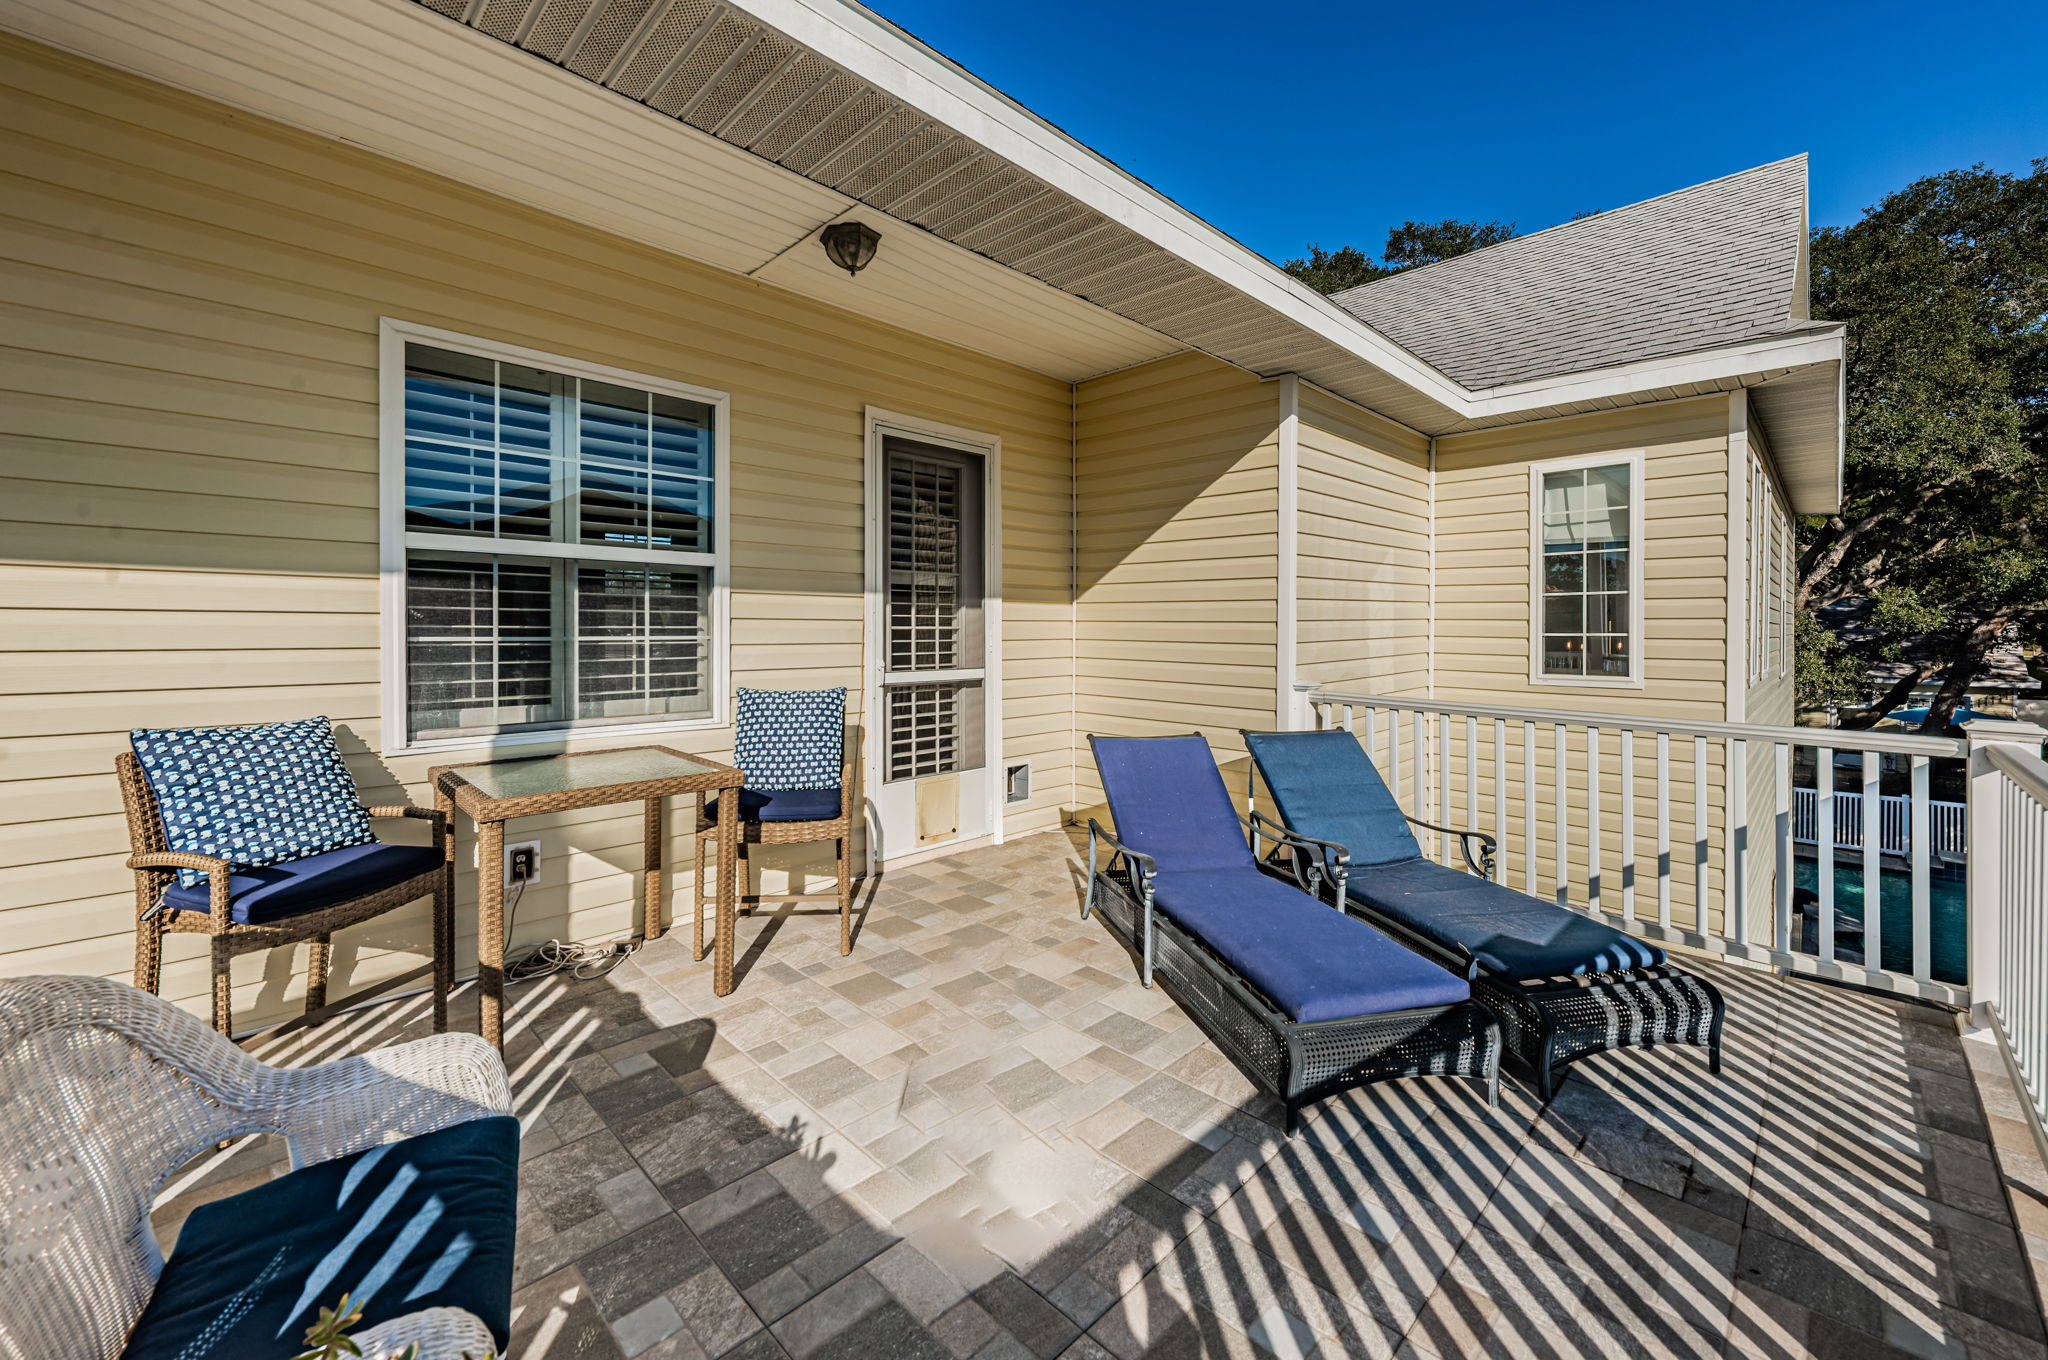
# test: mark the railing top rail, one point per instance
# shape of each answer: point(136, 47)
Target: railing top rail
point(1830, 738)
point(2023, 768)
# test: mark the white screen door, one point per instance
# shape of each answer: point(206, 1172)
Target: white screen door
point(929, 782)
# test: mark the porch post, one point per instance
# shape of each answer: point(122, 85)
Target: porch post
point(1983, 853)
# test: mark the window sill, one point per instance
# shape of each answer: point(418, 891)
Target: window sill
point(1585, 682)
point(553, 736)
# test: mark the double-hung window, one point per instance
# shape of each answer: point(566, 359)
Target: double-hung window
point(1586, 564)
point(556, 553)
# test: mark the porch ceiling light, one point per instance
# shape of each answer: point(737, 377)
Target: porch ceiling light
point(850, 245)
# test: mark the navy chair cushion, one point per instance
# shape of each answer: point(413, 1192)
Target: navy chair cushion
point(420, 1224)
point(1325, 786)
point(782, 805)
point(790, 738)
point(1311, 960)
point(1510, 934)
point(1168, 800)
point(251, 795)
point(275, 891)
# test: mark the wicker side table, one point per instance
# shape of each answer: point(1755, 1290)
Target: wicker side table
point(493, 792)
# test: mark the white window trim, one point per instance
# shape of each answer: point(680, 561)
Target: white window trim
point(393, 541)
point(1637, 545)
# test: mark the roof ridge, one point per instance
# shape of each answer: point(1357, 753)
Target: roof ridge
point(1573, 222)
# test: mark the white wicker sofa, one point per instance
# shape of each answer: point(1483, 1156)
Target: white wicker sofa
point(105, 1091)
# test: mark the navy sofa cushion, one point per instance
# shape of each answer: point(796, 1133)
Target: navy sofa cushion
point(1168, 800)
point(1325, 786)
point(420, 1224)
point(790, 738)
point(782, 805)
point(276, 891)
point(251, 795)
point(1313, 961)
point(1510, 934)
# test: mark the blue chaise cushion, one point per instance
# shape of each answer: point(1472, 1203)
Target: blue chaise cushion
point(783, 805)
point(251, 795)
point(1509, 934)
point(1325, 786)
point(276, 891)
point(420, 1224)
point(1311, 960)
point(790, 738)
point(1168, 800)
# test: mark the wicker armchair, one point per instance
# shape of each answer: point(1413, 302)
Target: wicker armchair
point(765, 820)
point(156, 868)
point(109, 1091)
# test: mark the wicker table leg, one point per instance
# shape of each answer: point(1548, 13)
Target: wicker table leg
point(728, 892)
point(490, 931)
point(656, 882)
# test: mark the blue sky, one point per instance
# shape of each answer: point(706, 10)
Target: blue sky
point(1330, 122)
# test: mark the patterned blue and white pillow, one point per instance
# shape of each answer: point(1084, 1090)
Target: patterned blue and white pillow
point(251, 795)
point(790, 738)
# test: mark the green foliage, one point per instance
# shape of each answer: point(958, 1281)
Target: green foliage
point(1944, 288)
point(1414, 244)
point(1332, 271)
point(1408, 246)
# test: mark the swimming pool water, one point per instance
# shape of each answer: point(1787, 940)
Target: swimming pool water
point(1947, 916)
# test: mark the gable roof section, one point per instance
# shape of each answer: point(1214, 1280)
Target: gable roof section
point(1720, 263)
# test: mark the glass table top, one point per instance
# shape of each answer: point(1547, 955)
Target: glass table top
point(577, 770)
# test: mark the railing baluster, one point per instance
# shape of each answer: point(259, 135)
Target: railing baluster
point(1699, 835)
point(1628, 823)
point(1529, 808)
point(1471, 773)
point(1418, 732)
point(1443, 785)
point(1824, 836)
point(1923, 940)
point(1369, 740)
point(1393, 765)
point(1781, 823)
point(1564, 892)
point(1594, 817)
point(1737, 886)
point(1873, 862)
point(1500, 800)
point(1664, 830)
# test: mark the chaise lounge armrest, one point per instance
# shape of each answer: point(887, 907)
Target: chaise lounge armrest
point(1481, 863)
point(1329, 858)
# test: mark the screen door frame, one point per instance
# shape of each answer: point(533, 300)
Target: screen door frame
point(888, 842)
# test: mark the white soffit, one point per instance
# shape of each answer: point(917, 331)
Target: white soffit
point(394, 78)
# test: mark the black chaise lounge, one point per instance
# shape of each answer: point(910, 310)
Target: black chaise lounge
point(1305, 1000)
point(1563, 984)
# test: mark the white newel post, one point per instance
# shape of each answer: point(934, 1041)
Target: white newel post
point(1983, 852)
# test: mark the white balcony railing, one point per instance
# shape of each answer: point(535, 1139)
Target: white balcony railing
point(2009, 894)
point(1684, 831)
point(1947, 822)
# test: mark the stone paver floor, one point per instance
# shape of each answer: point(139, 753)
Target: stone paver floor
point(980, 1137)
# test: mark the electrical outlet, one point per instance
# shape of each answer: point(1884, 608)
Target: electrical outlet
point(522, 863)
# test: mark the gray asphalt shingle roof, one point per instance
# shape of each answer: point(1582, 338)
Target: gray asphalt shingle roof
point(1711, 265)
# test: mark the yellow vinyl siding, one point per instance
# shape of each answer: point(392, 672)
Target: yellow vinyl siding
point(1363, 522)
point(188, 495)
point(1483, 536)
point(1177, 556)
point(1482, 637)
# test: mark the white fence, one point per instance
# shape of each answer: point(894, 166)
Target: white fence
point(1679, 831)
point(1947, 822)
